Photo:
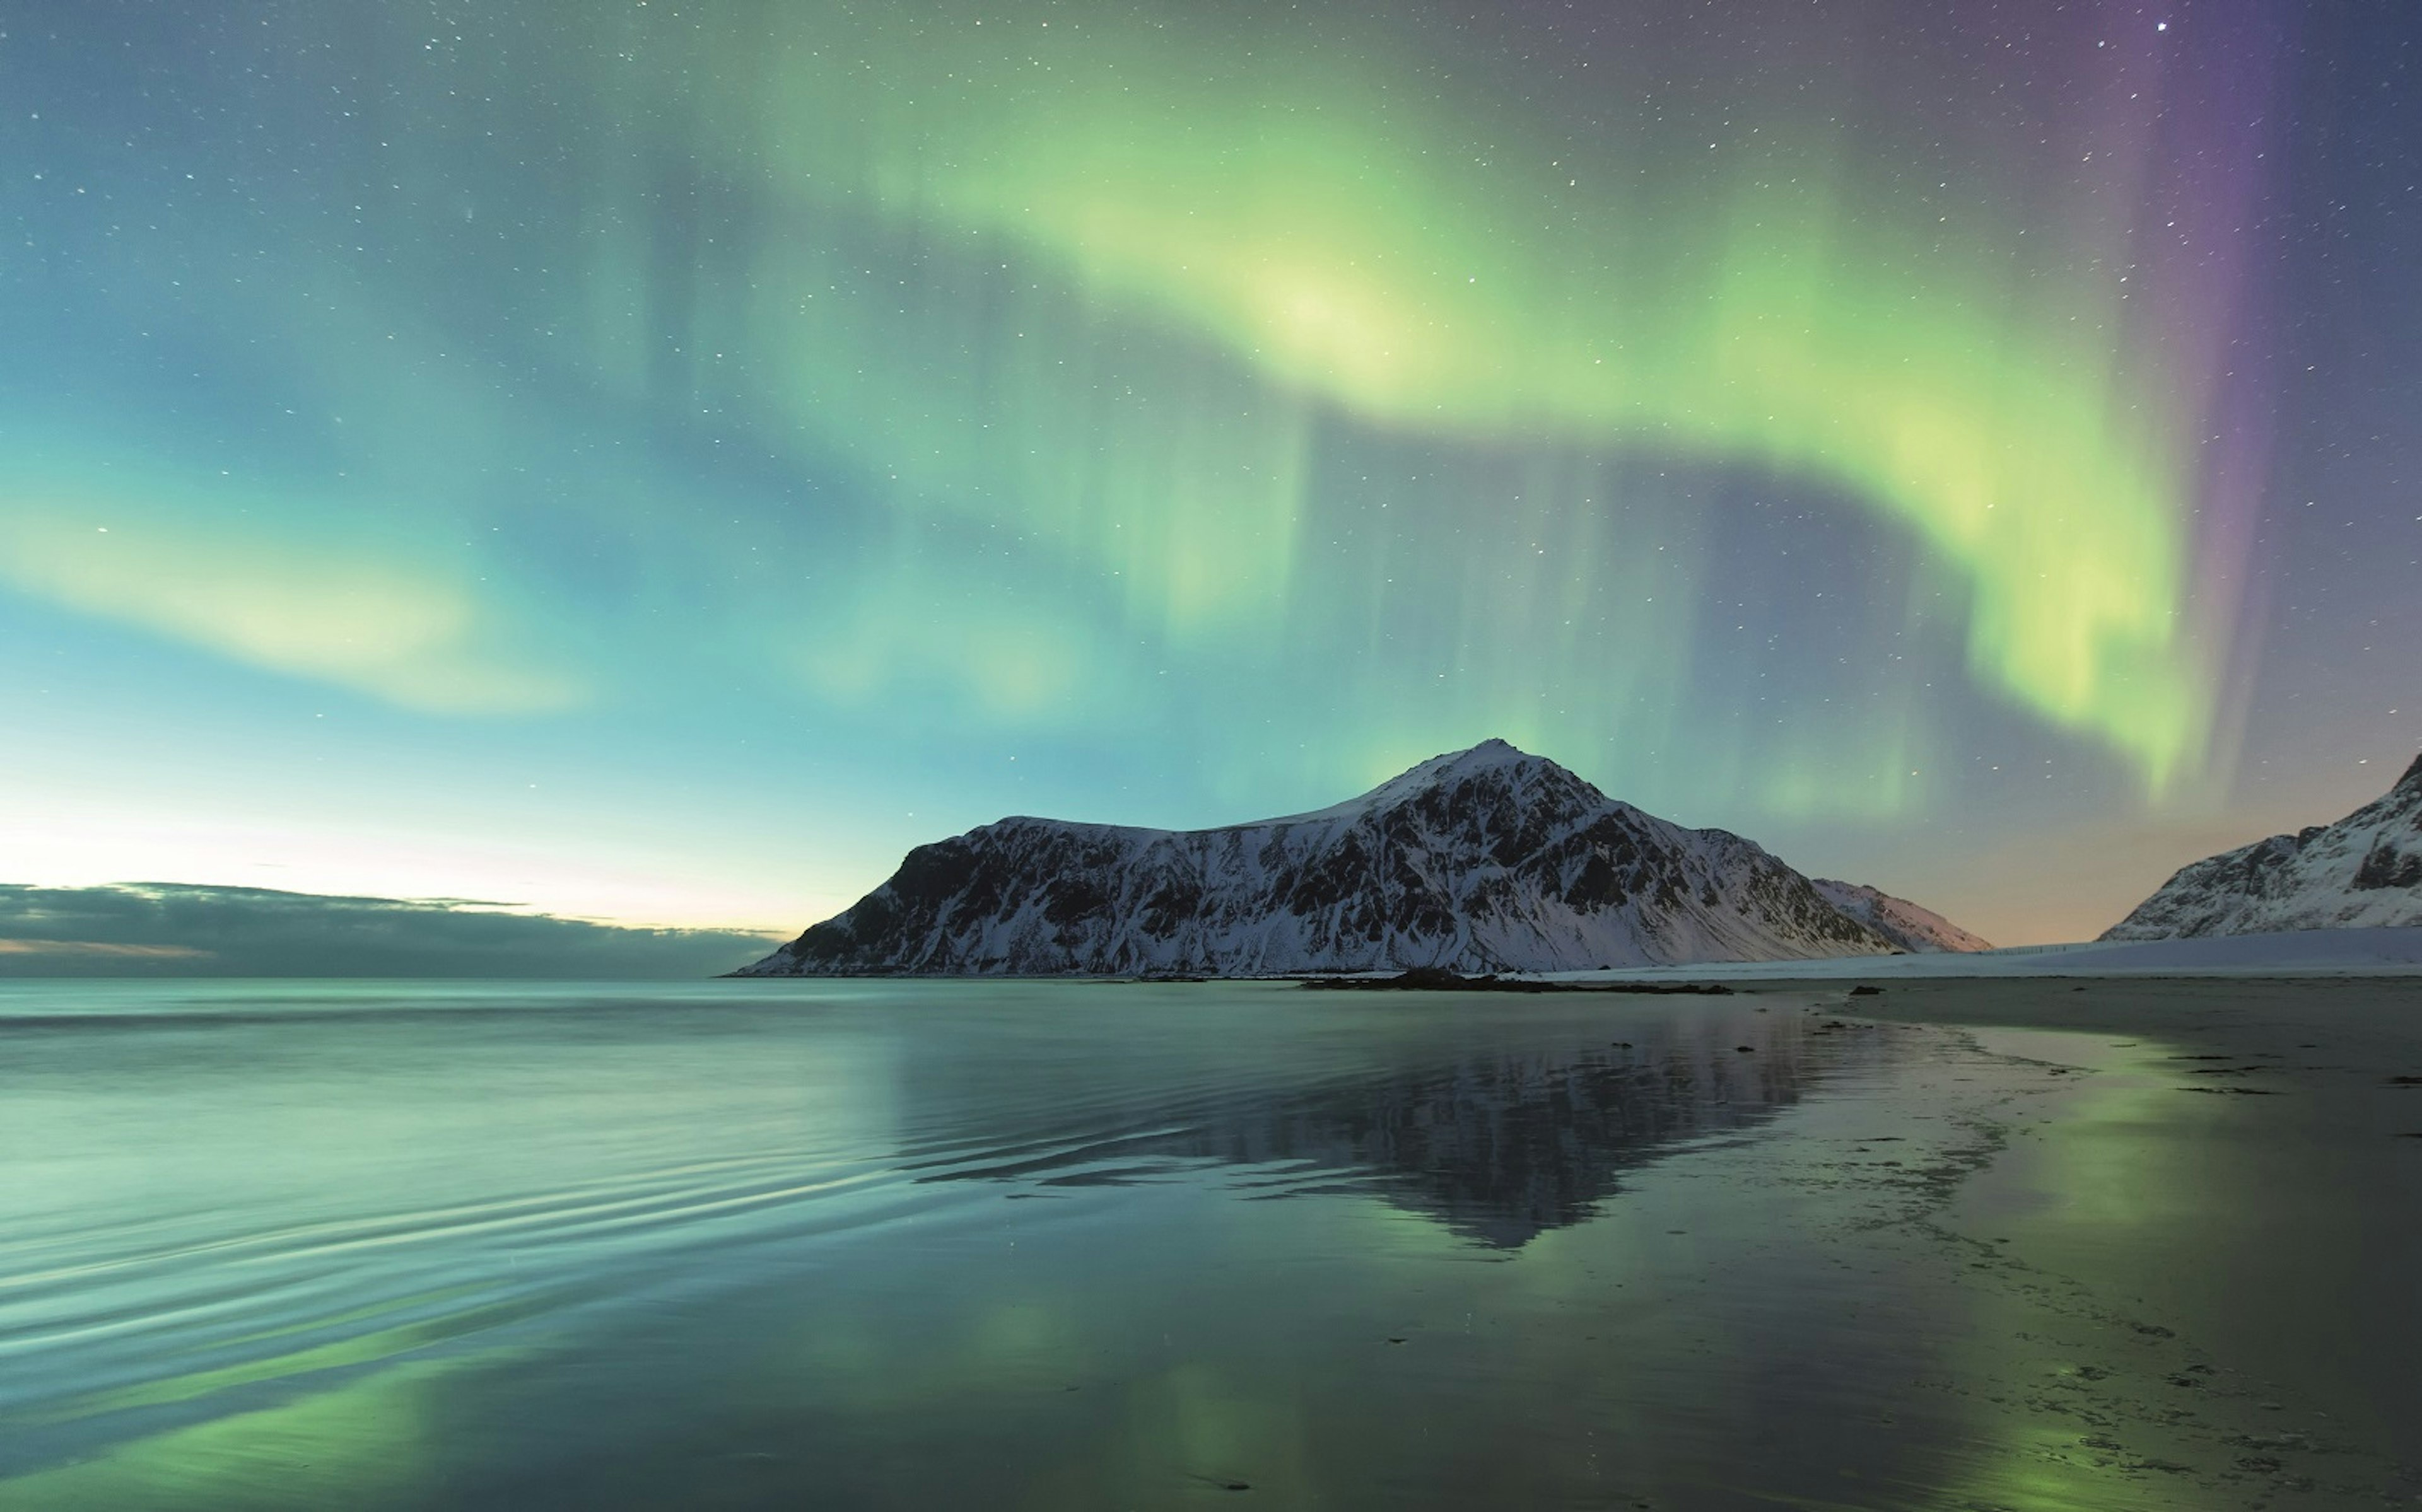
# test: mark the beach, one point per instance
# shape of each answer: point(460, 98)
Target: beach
point(1981, 1244)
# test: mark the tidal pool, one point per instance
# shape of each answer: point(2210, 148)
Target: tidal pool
point(1063, 1245)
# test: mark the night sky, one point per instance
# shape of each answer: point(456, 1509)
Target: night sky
point(657, 461)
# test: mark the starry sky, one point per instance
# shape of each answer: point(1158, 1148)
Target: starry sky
point(656, 462)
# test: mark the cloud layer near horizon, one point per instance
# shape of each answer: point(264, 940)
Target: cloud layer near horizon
point(183, 929)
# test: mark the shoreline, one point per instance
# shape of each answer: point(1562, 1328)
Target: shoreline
point(2286, 1226)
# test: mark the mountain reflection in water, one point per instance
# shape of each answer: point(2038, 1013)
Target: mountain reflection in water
point(1498, 1145)
point(315, 1244)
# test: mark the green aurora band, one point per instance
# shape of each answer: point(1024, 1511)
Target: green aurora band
point(1243, 403)
point(1282, 203)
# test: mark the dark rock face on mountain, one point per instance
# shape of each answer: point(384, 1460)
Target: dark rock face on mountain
point(2363, 872)
point(1485, 860)
point(1917, 930)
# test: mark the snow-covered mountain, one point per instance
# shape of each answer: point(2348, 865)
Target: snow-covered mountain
point(1918, 930)
point(2363, 872)
point(1483, 860)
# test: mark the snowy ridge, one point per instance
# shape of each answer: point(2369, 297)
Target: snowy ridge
point(1485, 860)
point(2363, 872)
point(1920, 930)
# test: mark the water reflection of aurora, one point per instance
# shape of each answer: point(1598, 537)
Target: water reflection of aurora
point(1081, 1244)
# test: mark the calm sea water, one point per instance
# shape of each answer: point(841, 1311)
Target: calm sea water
point(1034, 1245)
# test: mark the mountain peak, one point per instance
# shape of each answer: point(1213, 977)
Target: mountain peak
point(2412, 778)
point(1488, 753)
point(1501, 760)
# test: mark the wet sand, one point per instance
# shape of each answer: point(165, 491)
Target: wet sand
point(2272, 1130)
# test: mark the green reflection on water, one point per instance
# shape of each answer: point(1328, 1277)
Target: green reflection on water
point(2065, 1376)
point(366, 1348)
point(1811, 1310)
point(367, 1441)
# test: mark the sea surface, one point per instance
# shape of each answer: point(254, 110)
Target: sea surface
point(1048, 1245)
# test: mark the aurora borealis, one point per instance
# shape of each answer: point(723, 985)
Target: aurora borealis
point(661, 461)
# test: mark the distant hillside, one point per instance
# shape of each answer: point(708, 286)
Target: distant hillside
point(190, 929)
point(1916, 929)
